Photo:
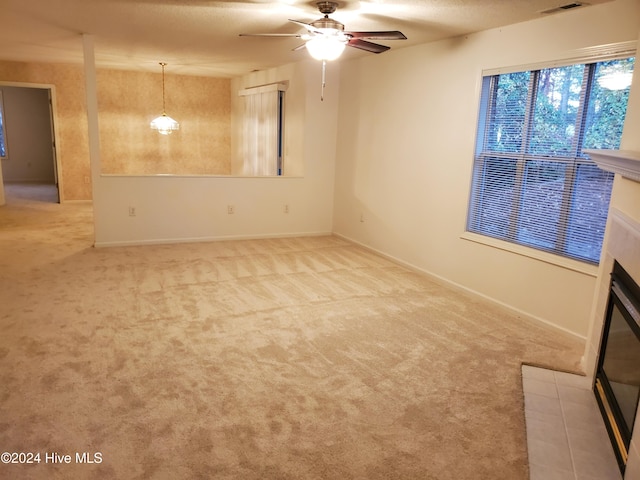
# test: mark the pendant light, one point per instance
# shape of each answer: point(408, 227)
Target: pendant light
point(164, 124)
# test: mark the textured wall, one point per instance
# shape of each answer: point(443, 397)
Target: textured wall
point(128, 101)
point(173, 209)
point(71, 119)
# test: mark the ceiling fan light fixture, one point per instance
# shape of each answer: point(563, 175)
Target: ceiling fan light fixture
point(164, 124)
point(326, 47)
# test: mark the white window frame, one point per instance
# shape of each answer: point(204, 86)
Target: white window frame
point(586, 55)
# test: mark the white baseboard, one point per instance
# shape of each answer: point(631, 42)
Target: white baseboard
point(220, 238)
point(443, 281)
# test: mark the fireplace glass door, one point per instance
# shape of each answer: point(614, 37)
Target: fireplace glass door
point(617, 385)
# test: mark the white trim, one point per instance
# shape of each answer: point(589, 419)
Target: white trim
point(44, 86)
point(221, 238)
point(624, 162)
point(582, 55)
point(192, 175)
point(557, 260)
point(626, 221)
point(270, 87)
point(456, 286)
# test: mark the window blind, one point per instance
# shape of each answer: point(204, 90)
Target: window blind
point(262, 138)
point(532, 183)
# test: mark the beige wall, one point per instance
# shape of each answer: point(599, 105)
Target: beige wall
point(407, 124)
point(128, 101)
point(70, 119)
point(194, 208)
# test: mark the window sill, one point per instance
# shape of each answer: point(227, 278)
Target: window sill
point(567, 263)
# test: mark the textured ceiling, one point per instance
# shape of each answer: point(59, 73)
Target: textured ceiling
point(201, 37)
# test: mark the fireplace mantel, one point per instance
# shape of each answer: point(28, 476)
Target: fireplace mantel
point(624, 162)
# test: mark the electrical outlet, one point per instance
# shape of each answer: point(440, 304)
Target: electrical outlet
point(231, 209)
point(87, 180)
point(285, 209)
point(362, 217)
point(132, 211)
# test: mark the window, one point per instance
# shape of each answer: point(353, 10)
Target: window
point(263, 130)
point(532, 183)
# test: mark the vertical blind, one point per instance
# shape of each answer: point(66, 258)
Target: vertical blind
point(532, 183)
point(263, 129)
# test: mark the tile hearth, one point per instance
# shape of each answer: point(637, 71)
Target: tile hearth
point(566, 436)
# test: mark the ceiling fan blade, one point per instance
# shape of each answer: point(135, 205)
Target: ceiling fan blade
point(309, 27)
point(297, 35)
point(390, 35)
point(368, 46)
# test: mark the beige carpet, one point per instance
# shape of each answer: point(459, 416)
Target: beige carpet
point(303, 358)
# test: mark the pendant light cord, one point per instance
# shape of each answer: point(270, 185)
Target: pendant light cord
point(162, 64)
point(164, 124)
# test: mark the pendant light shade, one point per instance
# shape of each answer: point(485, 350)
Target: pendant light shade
point(164, 124)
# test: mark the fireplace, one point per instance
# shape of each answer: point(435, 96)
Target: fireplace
point(617, 383)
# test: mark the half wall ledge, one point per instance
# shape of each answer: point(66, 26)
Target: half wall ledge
point(624, 162)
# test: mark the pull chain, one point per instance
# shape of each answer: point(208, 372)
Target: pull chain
point(324, 68)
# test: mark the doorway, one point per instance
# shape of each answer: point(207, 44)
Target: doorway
point(30, 166)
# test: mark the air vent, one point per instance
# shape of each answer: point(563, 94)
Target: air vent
point(563, 8)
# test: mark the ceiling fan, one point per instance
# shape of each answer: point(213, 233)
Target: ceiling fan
point(326, 39)
point(326, 31)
